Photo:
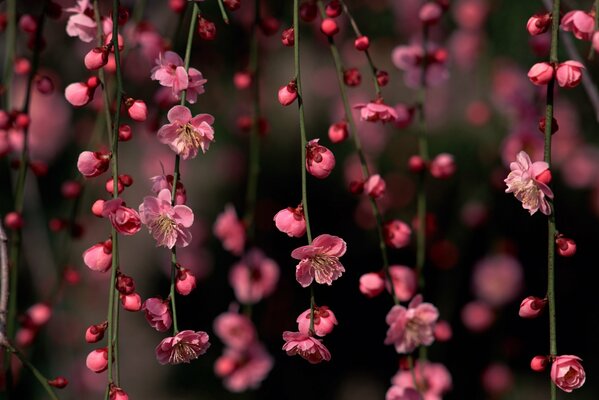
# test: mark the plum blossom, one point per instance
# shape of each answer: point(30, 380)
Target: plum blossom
point(320, 260)
point(567, 373)
point(235, 330)
point(244, 369)
point(186, 134)
point(157, 313)
point(170, 72)
point(411, 327)
point(182, 348)
point(410, 58)
point(81, 24)
point(432, 378)
point(124, 219)
point(306, 346)
point(291, 221)
point(168, 224)
point(254, 277)
point(324, 321)
point(528, 181)
point(497, 279)
point(580, 23)
point(230, 230)
point(376, 111)
point(402, 393)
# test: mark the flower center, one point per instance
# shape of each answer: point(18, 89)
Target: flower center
point(165, 225)
point(189, 136)
point(324, 263)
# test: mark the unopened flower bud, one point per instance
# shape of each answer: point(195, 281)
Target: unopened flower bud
point(329, 27)
point(531, 307)
point(539, 363)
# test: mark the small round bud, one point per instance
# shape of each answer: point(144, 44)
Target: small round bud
point(177, 6)
point(333, 9)
point(287, 94)
point(416, 164)
point(352, 77)
point(543, 122)
point(338, 132)
point(206, 29)
point(243, 79)
point(566, 247)
point(125, 133)
point(44, 84)
point(382, 77)
point(131, 302)
point(98, 207)
point(13, 220)
point(126, 179)
point(269, 25)
point(110, 186)
point(95, 333)
point(232, 5)
point(59, 382)
point(97, 360)
point(539, 363)
point(70, 189)
point(137, 110)
point(362, 43)
point(329, 27)
point(531, 307)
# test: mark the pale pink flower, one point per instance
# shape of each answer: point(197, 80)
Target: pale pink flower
point(91, 164)
point(291, 221)
point(443, 166)
point(124, 219)
point(324, 321)
point(404, 282)
point(376, 111)
point(230, 230)
point(235, 330)
point(432, 378)
point(567, 373)
point(524, 181)
point(580, 23)
point(170, 72)
point(372, 284)
point(320, 161)
point(497, 279)
point(411, 327)
point(82, 23)
point(254, 277)
point(158, 313)
point(320, 260)
point(402, 393)
point(306, 346)
point(168, 224)
point(160, 182)
point(182, 348)
point(569, 73)
point(99, 256)
point(186, 134)
point(541, 73)
point(195, 86)
point(244, 369)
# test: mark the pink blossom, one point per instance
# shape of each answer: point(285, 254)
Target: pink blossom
point(306, 346)
point(170, 72)
point(580, 23)
point(81, 24)
point(235, 330)
point(320, 161)
point(186, 282)
point(497, 279)
point(411, 327)
point(182, 348)
point(397, 233)
point(168, 224)
point(567, 373)
point(430, 13)
point(124, 219)
point(524, 181)
point(287, 94)
point(376, 111)
point(91, 164)
point(372, 284)
point(402, 393)
point(375, 186)
point(244, 369)
point(404, 282)
point(432, 378)
point(254, 277)
point(531, 307)
point(96, 58)
point(538, 24)
point(79, 94)
point(443, 166)
point(160, 182)
point(541, 73)
point(195, 86)
point(320, 260)
point(186, 134)
point(539, 363)
point(324, 321)
point(99, 256)
point(230, 230)
point(409, 59)
point(497, 379)
point(477, 316)
point(137, 109)
point(131, 302)
point(596, 41)
point(569, 73)
point(97, 360)
point(338, 132)
point(157, 313)
point(291, 221)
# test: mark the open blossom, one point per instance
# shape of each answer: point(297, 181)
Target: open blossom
point(567, 373)
point(320, 260)
point(376, 111)
point(324, 321)
point(124, 219)
point(306, 346)
point(169, 225)
point(411, 327)
point(254, 277)
point(244, 369)
point(230, 230)
point(157, 313)
point(182, 348)
point(528, 181)
point(580, 23)
point(432, 378)
point(186, 134)
point(170, 72)
point(82, 24)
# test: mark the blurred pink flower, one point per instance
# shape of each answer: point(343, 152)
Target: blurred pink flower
point(375, 186)
point(376, 111)
point(168, 225)
point(567, 373)
point(81, 24)
point(254, 277)
point(404, 282)
point(397, 233)
point(528, 181)
point(324, 321)
point(372, 284)
point(235, 330)
point(497, 379)
point(409, 59)
point(497, 279)
point(306, 346)
point(580, 23)
point(157, 313)
point(411, 327)
point(320, 260)
point(402, 393)
point(186, 134)
point(433, 378)
point(124, 219)
point(477, 316)
point(244, 369)
point(230, 230)
point(182, 348)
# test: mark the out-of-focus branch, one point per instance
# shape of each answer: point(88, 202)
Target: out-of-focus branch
point(3, 282)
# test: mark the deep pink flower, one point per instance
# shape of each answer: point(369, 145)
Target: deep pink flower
point(404, 282)
point(372, 284)
point(186, 134)
point(254, 277)
point(397, 233)
point(158, 313)
point(376, 111)
point(306, 346)
point(432, 378)
point(411, 327)
point(169, 225)
point(320, 161)
point(527, 180)
point(320, 260)
point(91, 164)
point(99, 256)
point(324, 321)
point(182, 348)
point(569, 73)
point(402, 393)
point(230, 230)
point(541, 73)
point(291, 221)
point(195, 86)
point(124, 219)
point(244, 369)
point(580, 23)
point(235, 330)
point(567, 373)
point(81, 24)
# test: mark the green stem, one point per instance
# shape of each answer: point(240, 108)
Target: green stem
point(38, 375)
point(9, 58)
point(223, 12)
point(172, 290)
point(312, 308)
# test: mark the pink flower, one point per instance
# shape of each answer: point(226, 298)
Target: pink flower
point(124, 219)
point(541, 73)
point(531, 307)
point(432, 378)
point(320, 260)
point(402, 393)
point(397, 233)
point(157, 313)
point(376, 111)
point(320, 161)
point(137, 109)
point(99, 256)
point(528, 181)
point(235, 330)
point(97, 360)
point(409, 59)
point(185, 135)
point(79, 93)
point(375, 186)
point(291, 221)
point(443, 166)
point(404, 282)
point(569, 73)
point(306, 346)
point(244, 369)
point(170, 72)
point(580, 23)
point(287, 94)
point(372, 284)
point(338, 132)
point(430, 13)
point(91, 164)
point(411, 327)
point(497, 379)
point(195, 86)
point(254, 277)
point(230, 230)
point(324, 321)
point(477, 316)
point(567, 373)
point(168, 225)
point(497, 279)
point(81, 24)
point(160, 182)
point(182, 348)
point(131, 302)
point(186, 282)
point(538, 24)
